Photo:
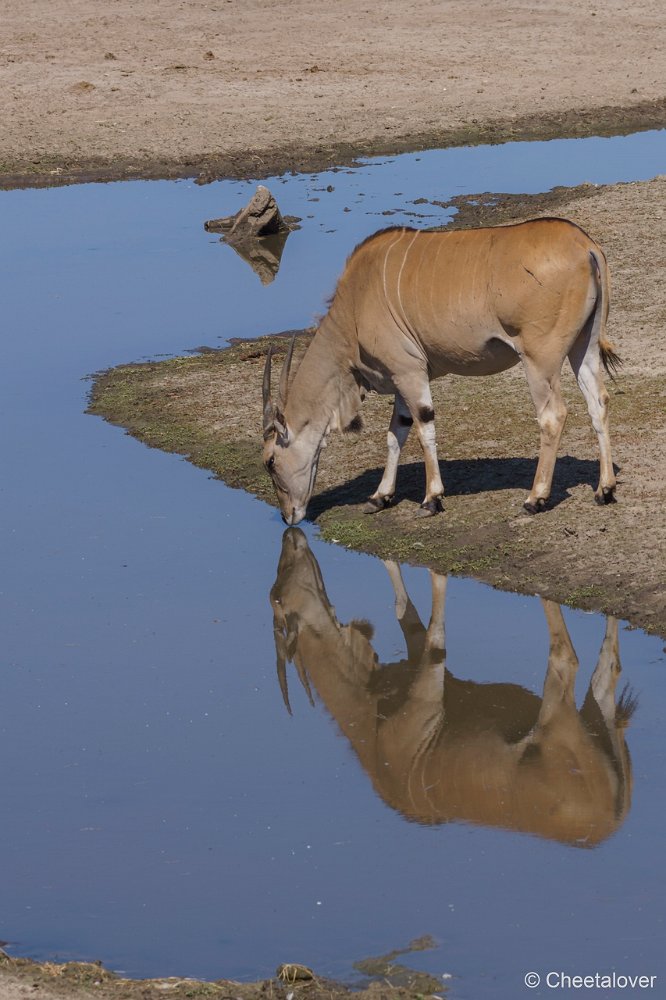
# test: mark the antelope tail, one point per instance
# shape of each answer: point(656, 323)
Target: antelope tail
point(625, 708)
point(609, 358)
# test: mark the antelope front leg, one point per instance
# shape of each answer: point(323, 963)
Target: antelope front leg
point(428, 685)
point(414, 389)
point(424, 418)
point(399, 428)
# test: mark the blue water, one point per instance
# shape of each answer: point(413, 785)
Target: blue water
point(162, 811)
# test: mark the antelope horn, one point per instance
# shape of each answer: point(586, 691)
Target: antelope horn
point(269, 409)
point(303, 677)
point(284, 375)
point(282, 666)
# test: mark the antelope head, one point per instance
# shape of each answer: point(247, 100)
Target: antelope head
point(291, 447)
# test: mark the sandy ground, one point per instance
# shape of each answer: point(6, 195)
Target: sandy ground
point(253, 86)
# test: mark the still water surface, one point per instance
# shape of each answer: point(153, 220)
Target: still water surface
point(162, 811)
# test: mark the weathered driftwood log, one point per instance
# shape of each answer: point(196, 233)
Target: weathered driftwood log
point(260, 217)
point(257, 233)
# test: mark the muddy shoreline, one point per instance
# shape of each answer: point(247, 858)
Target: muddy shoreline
point(58, 171)
point(381, 978)
point(575, 553)
point(378, 978)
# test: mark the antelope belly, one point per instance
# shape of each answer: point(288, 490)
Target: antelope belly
point(489, 357)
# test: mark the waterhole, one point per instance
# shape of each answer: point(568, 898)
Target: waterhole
point(477, 766)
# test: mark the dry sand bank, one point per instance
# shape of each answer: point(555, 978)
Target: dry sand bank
point(165, 87)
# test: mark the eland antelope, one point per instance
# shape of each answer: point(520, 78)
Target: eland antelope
point(439, 749)
point(414, 305)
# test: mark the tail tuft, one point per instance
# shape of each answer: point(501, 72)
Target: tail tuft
point(611, 361)
point(625, 708)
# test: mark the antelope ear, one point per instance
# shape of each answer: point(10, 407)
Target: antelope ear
point(280, 425)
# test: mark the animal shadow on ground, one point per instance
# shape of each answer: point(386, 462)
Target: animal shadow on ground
point(462, 477)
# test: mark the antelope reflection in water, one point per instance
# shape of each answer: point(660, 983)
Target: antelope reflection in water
point(439, 749)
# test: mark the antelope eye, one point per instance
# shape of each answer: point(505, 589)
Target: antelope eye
point(270, 463)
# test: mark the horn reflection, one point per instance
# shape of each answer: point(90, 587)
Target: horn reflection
point(440, 749)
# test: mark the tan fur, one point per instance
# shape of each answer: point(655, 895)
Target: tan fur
point(413, 305)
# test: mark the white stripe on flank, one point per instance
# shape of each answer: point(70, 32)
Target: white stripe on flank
point(386, 257)
point(404, 260)
point(433, 277)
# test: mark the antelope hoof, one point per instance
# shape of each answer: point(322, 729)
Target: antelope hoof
point(536, 507)
point(375, 504)
point(431, 507)
point(605, 495)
